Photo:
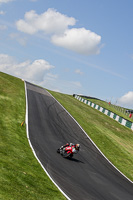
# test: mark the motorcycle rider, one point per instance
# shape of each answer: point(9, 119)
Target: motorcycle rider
point(75, 147)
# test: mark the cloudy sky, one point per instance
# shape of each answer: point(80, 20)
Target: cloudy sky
point(70, 46)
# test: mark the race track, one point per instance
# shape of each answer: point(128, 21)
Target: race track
point(88, 176)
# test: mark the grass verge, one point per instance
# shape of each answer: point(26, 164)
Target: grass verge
point(21, 175)
point(113, 139)
point(115, 109)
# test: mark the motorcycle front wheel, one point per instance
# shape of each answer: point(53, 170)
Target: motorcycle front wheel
point(67, 155)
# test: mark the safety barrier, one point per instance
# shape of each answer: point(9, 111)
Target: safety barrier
point(112, 115)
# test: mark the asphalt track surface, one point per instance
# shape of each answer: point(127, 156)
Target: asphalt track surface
point(87, 176)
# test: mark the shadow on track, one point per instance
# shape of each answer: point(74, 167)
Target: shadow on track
point(74, 160)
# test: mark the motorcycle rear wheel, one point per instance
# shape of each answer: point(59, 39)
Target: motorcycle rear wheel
point(58, 150)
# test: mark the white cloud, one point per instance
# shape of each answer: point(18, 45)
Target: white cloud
point(79, 40)
point(56, 25)
point(37, 69)
point(50, 22)
point(31, 71)
point(51, 76)
point(53, 82)
point(5, 1)
point(2, 12)
point(78, 71)
point(21, 40)
point(127, 99)
point(38, 72)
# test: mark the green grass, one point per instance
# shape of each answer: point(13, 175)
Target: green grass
point(115, 109)
point(21, 176)
point(113, 139)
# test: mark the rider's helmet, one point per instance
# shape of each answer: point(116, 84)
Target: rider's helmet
point(77, 146)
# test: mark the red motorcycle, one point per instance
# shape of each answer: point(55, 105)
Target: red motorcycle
point(67, 151)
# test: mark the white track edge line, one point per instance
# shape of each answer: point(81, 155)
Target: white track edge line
point(93, 142)
point(27, 130)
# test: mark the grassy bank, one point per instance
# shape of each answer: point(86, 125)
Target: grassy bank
point(113, 108)
point(113, 139)
point(21, 176)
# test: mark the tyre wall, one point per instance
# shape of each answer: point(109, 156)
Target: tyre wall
point(112, 115)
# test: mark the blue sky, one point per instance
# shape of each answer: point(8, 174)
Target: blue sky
point(70, 46)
